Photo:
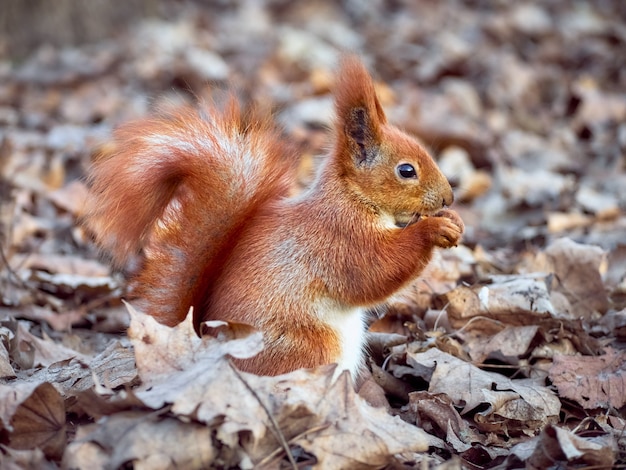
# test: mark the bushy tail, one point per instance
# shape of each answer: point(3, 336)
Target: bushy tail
point(175, 188)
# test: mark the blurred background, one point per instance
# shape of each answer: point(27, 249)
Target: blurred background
point(523, 103)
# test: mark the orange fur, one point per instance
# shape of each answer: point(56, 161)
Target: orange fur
point(203, 197)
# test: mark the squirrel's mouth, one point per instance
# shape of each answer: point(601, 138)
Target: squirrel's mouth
point(404, 220)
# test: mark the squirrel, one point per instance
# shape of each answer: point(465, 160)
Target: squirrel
point(203, 197)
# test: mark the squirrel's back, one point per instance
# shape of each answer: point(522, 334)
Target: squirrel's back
point(175, 189)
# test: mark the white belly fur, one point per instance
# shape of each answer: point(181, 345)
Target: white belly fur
point(349, 323)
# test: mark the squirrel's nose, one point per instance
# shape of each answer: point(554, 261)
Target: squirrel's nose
point(448, 197)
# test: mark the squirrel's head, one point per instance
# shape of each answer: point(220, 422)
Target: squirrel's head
point(382, 165)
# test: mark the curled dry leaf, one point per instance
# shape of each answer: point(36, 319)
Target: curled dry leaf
point(513, 406)
point(507, 346)
point(437, 410)
point(147, 440)
point(46, 351)
point(6, 369)
point(161, 351)
point(578, 278)
point(592, 381)
point(511, 299)
point(60, 264)
point(556, 446)
point(348, 433)
point(113, 367)
point(33, 416)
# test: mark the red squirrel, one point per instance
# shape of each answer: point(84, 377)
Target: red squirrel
point(203, 196)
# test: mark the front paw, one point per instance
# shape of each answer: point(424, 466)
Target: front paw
point(447, 228)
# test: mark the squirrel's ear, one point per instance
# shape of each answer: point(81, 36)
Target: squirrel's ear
point(359, 113)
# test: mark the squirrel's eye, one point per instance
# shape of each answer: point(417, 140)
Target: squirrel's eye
point(406, 171)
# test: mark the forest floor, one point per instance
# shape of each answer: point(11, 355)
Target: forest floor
point(508, 353)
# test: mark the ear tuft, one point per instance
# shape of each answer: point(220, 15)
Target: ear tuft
point(359, 113)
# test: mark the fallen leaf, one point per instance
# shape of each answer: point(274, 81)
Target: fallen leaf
point(592, 381)
point(160, 350)
point(112, 368)
point(143, 440)
point(14, 459)
point(6, 370)
point(508, 345)
point(557, 445)
point(61, 264)
point(438, 409)
point(33, 415)
point(513, 299)
point(512, 406)
point(46, 351)
point(355, 434)
point(70, 197)
point(559, 222)
point(577, 270)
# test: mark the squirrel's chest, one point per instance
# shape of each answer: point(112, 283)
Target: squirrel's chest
point(349, 325)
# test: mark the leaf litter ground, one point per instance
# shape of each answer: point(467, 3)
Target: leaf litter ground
point(508, 353)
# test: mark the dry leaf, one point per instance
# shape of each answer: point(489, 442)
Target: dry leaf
point(33, 415)
point(6, 370)
point(70, 197)
point(60, 264)
point(147, 441)
point(161, 350)
point(46, 351)
point(13, 459)
point(437, 409)
point(513, 406)
point(578, 278)
point(112, 368)
point(557, 445)
point(355, 434)
point(559, 222)
point(592, 381)
point(514, 299)
point(508, 345)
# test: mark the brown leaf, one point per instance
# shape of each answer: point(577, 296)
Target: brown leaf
point(437, 409)
point(34, 416)
point(145, 440)
point(592, 381)
point(6, 370)
point(46, 351)
point(113, 367)
point(514, 299)
point(60, 264)
point(556, 445)
point(578, 278)
point(513, 405)
point(161, 351)
point(355, 434)
point(508, 345)
point(70, 197)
